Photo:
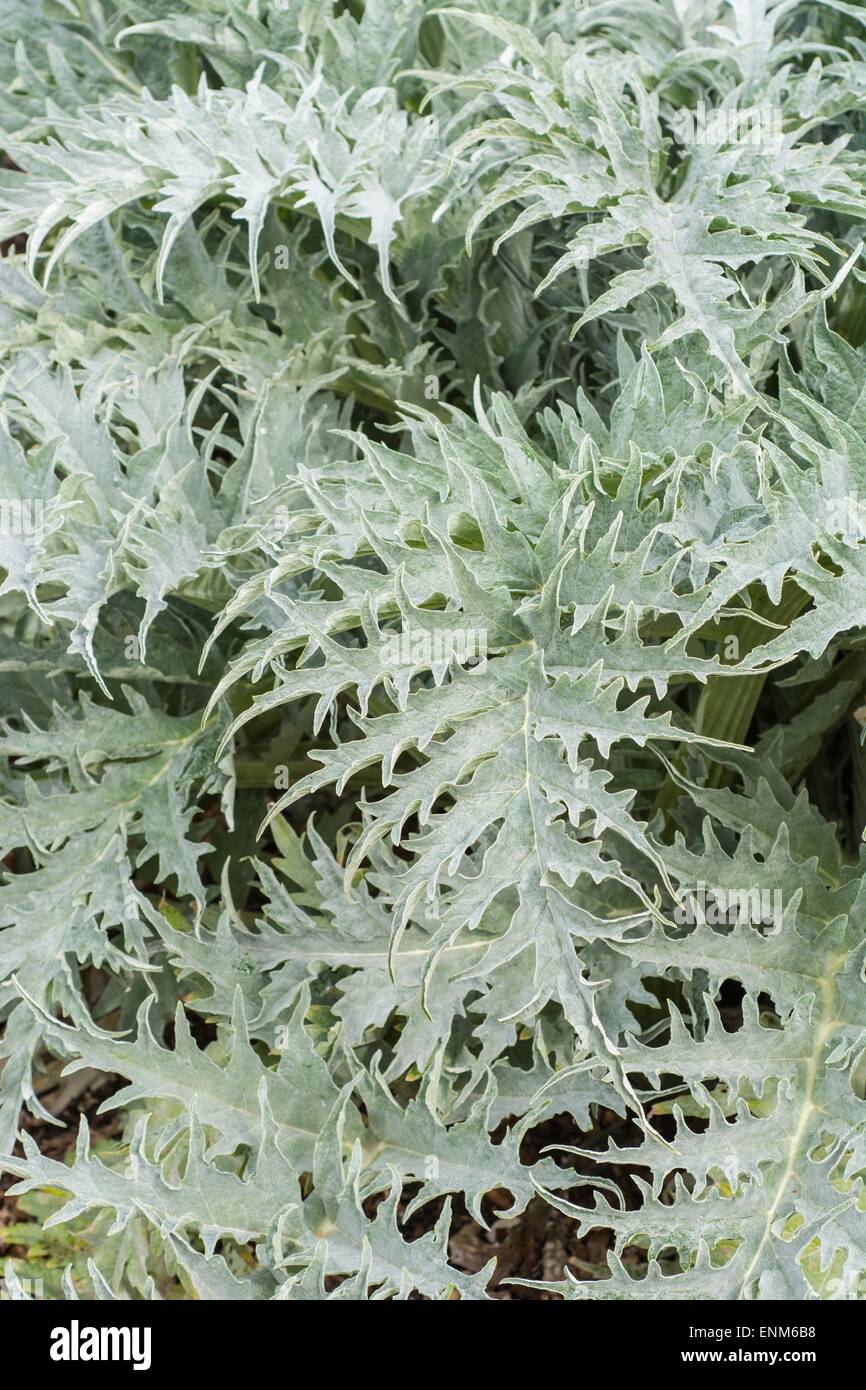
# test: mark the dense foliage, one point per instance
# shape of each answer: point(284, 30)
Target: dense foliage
point(433, 557)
